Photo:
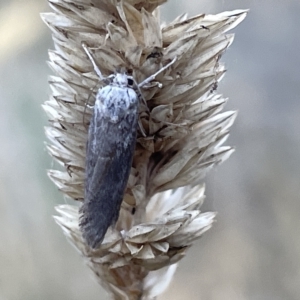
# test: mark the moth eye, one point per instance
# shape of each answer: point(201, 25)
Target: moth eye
point(129, 81)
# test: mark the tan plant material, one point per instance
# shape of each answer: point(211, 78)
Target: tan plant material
point(184, 125)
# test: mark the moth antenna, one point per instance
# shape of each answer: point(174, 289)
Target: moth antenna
point(152, 77)
point(89, 54)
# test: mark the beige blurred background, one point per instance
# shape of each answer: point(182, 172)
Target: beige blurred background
point(252, 252)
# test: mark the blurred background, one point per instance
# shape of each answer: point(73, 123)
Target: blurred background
point(252, 252)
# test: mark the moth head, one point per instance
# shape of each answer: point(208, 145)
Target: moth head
point(123, 80)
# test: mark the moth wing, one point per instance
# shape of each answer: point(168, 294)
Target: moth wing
point(110, 150)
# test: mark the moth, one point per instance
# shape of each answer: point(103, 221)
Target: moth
point(110, 148)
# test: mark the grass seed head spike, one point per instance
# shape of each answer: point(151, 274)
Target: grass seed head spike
point(109, 153)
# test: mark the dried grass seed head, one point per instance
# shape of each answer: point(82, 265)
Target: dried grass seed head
point(185, 128)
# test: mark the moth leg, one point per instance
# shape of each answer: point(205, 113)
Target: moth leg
point(142, 128)
point(87, 51)
point(152, 77)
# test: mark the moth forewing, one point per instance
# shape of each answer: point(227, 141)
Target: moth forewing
point(110, 148)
